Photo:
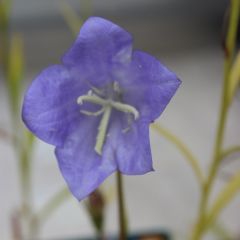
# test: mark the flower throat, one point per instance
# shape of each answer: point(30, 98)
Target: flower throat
point(108, 98)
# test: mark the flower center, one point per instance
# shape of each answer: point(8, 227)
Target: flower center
point(108, 98)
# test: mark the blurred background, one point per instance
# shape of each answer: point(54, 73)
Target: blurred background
point(186, 36)
point(158, 26)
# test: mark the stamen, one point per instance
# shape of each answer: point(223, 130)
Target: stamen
point(92, 99)
point(102, 129)
point(97, 91)
point(125, 108)
point(95, 96)
point(95, 114)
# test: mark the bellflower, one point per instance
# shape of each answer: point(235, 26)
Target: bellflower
point(96, 106)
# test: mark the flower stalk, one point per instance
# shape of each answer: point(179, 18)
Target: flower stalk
point(201, 226)
point(121, 208)
point(184, 150)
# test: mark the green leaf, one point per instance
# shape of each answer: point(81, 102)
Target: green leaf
point(226, 195)
point(234, 78)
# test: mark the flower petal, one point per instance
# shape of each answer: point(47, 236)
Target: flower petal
point(50, 108)
point(131, 146)
point(83, 169)
point(147, 85)
point(99, 44)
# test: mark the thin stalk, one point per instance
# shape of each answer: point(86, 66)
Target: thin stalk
point(25, 174)
point(52, 205)
point(230, 151)
point(221, 232)
point(121, 208)
point(191, 159)
point(25, 179)
point(24, 151)
point(230, 46)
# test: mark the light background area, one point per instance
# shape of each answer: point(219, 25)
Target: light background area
point(188, 43)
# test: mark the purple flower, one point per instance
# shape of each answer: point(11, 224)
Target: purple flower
point(96, 107)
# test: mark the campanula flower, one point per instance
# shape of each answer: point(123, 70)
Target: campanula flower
point(96, 106)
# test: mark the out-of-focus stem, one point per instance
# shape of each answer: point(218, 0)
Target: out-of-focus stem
point(230, 47)
point(192, 160)
point(4, 33)
point(52, 205)
point(230, 151)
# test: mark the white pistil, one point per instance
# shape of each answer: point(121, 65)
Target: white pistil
point(102, 129)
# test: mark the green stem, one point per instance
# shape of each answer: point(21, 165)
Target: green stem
point(52, 205)
point(221, 232)
point(230, 151)
point(24, 149)
point(25, 180)
point(192, 160)
point(230, 46)
point(35, 220)
point(25, 175)
point(4, 34)
point(121, 208)
point(73, 21)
